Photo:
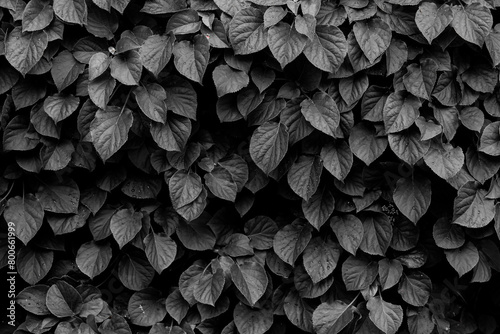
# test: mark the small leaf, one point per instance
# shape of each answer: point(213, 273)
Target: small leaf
point(209, 287)
point(125, 224)
point(71, 11)
point(32, 299)
point(471, 208)
point(24, 50)
point(98, 64)
point(37, 15)
point(415, 289)
point(184, 188)
point(431, 20)
point(373, 36)
point(349, 231)
point(321, 258)
point(191, 59)
point(252, 321)
point(331, 318)
point(304, 175)
point(358, 273)
point(261, 231)
point(490, 139)
point(389, 272)
point(156, 52)
point(400, 111)
point(160, 250)
point(337, 158)
point(327, 49)
point(319, 207)
point(60, 107)
point(63, 300)
point(447, 235)
point(221, 184)
point(145, 308)
point(33, 264)
point(472, 23)
point(365, 144)
point(127, 68)
point(27, 215)
point(444, 159)
point(420, 80)
point(246, 31)
point(151, 99)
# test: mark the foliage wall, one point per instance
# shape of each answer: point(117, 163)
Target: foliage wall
point(260, 166)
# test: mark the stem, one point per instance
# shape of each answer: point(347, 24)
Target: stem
point(8, 192)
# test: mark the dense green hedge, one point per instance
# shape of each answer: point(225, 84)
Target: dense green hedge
point(251, 166)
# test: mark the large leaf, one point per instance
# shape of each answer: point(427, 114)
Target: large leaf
point(268, 145)
point(412, 196)
point(37, 15)
point(285, 43)
point(127, 68)
point(400, 111)
point(109, 130)
point(463, 259)
point(415, 289)
point(24, 50)
point(291, 241)
point(337, 158)
point(420, 79)
point(358, 273)
point(251, 280)
point(377, 233)
point(26, 214)
point(34, 264)
point(447, 235)
point(246, 31)
point(156, 52)
point(209, 287)
point(59, 197)
point(184, 188)
point(444, 159)
point(173, 135)
point(63, 300)
point(298, 311)
point(322, 112)
point(221, 184)
point(471, 208)
point(490, 139)
point(59, 107)
point(151, 100)
point(32, 299)
point(386, 316)
point(431, 20)
point(228, 80)
point(373, 36)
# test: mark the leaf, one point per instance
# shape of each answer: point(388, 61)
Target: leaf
point(60, 107)
point(298, 311)
point(261, 231)
point(480, 78)
point(246, 31)
point(163, 6)
point(400, 111)
point(221, 184)
point(228, 80)
point(145, 308)
point(134, 271)
point(191, 59)
point(252, 321)
point(412, 196)
point(60, 197)
point(320, 258)
point(184, 188)
point(115, 324)
point(349, 231)
point(160, 250)
point(156, 52)
point(37, 15)
point(490, 139)
point(24, 50)
point(17, 135)
point(447, 235)
point(472, 118)
point(196, 236)
point(65, 69)
point(377, 233)
point(32, 299)
point(151, 99)
point(304, 175)
point(181, 97)
point(209, 287)
point(184, 22)
point(268, 145)
point(481, 166)
point(194, 209)
point(291, 241)
point(331, 318)
point(492, 42)
point(358, 273)
point(420, 321)
point(71, 11)
point(327, 49)
point(285, 43)
point(431, 20)
point(33, 264)
point(408, 145)
point(63, 300)
point(337, 158)
point(386, 316)
point(472, 23)
point(365, 144)
point(471, 208)
point(27, 215)
point(127, 68)
point(173, 135)
point(109, 130)
point(373, 36)
point(322, 112)
point(101, 89)
point(251, 280)
point(444, 159)
point(93, 258)
point(319, 207)
point(389, 272)
point(396, 55)
point(176, 306)
point(463, 259)
point(98, 64)
point(125, 224)
point(415, 289)
point(420, 80)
